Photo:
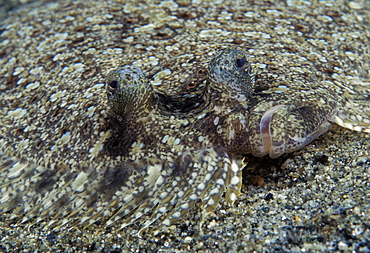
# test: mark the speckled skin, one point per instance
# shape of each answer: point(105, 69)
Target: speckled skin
point(53, 117)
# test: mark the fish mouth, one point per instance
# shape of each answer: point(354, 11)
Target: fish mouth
point(265, 130)
point(276, 145)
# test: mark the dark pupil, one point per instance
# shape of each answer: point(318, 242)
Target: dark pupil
point(113, 84)
point(240, 63)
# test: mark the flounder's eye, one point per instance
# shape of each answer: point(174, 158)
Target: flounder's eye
point(241, 63)
point(113, 84)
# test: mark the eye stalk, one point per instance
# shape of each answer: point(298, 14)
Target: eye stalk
point(230, 70)
point(129, 91)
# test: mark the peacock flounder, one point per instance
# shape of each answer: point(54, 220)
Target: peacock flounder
point(174, 128)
